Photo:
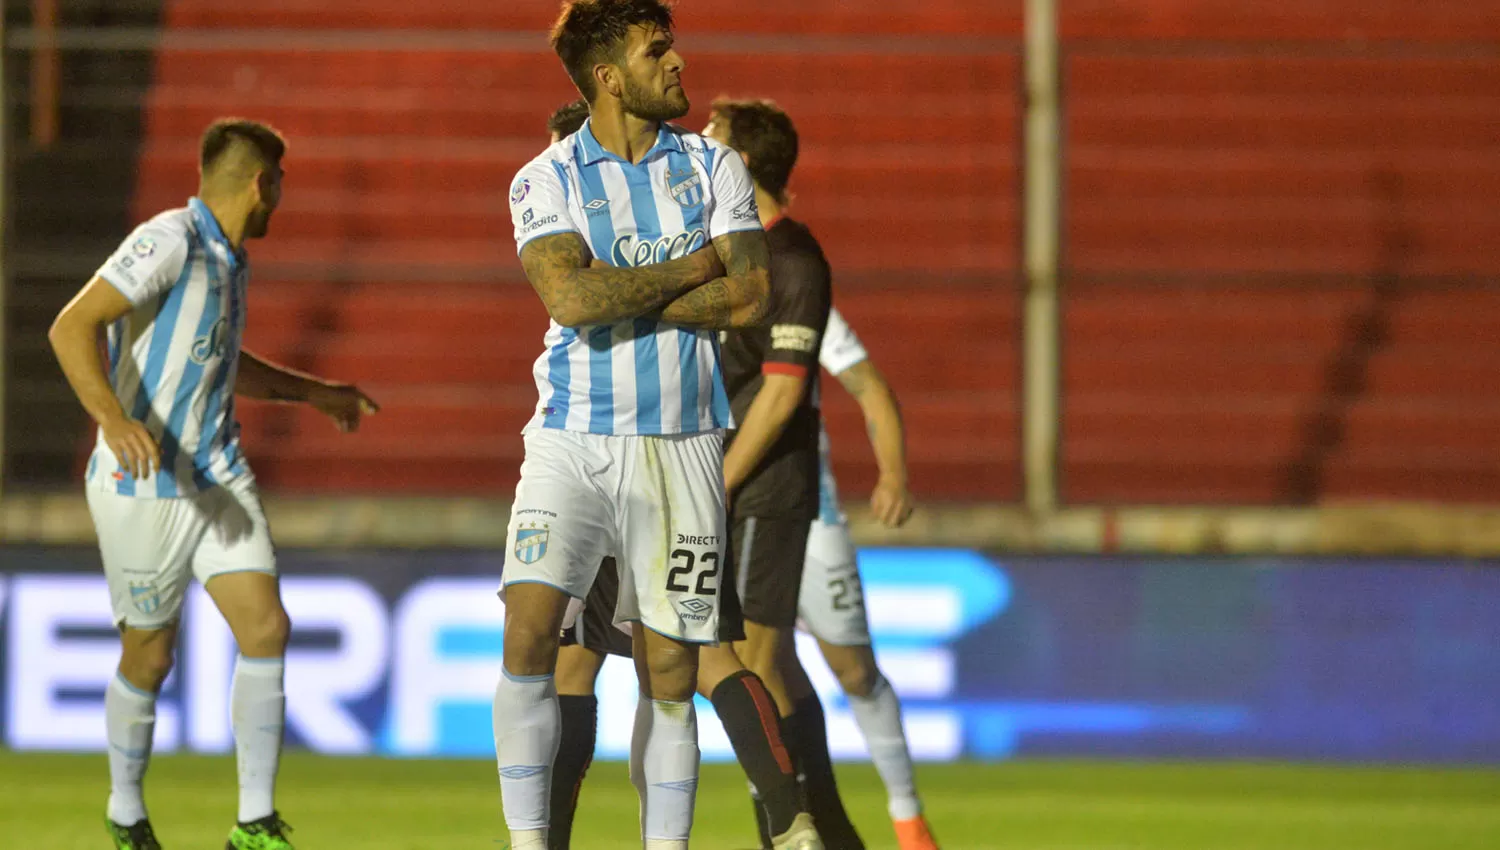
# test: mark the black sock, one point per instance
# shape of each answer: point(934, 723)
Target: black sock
point(575, 752)
point(748, 713)
point(807, 734)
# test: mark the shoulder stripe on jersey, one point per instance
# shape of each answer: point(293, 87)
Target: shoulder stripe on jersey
point(687, 355)
point(156, 355)
point(562, 177)
point(559, 370)
point(601, 380)
point(647, 378)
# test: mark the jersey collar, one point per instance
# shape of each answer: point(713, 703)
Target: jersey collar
point(591, 152)
point(209, 228)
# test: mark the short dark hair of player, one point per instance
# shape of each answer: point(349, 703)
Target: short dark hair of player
point(591, 32)
point(223, 133)
point(762, 131)
point(568, 119)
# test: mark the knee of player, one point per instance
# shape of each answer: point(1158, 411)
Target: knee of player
point(266, 635)
point(529, 651)
point(673, 672)
point(858, 679)
point(147, 666)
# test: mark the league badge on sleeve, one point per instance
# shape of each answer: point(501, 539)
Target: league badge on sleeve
point(519, 191)
point(143, 247)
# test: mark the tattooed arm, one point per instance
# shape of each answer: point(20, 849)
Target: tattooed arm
point(577, 295)
point(741, 298)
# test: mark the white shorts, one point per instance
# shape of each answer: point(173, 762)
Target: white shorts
point(152, 547)
point(831, 604)
point(655, 504)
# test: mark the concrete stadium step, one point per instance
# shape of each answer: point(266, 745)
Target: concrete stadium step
point(1421, 80)
point(409, 111)
point(452, 74)
point(824, 17)
point(1334, 22)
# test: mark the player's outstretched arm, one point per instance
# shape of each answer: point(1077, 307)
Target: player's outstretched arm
point(75, 340)
point(891, 501)
point(739, 299)
point(259, 378)
point(576, 294)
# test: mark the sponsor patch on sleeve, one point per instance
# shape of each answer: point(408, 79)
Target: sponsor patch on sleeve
point(794, 338)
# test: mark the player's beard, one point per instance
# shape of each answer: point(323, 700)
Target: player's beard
point(258, 223)
point(646, 106)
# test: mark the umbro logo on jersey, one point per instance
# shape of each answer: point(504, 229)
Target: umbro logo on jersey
point(596, 207)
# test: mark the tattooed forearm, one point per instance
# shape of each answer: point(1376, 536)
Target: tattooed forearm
point(742, 298)
point(577, 295)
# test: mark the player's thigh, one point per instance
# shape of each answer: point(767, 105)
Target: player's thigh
point(831, 605)
point(147, 547)
point(236, 563)
point(561, 523)
point(672, 535)
point(769, 558)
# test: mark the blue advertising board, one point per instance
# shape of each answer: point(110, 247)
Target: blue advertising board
point(994, 656)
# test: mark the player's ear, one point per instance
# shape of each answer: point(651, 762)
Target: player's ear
point(607, 77)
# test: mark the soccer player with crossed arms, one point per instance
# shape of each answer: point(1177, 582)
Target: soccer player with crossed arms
point(740, 698)
point(831, 600)
point(624, 455)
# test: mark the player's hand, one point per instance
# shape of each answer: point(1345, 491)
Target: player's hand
point(344, 403)
point(891, 503)
point(133, 446)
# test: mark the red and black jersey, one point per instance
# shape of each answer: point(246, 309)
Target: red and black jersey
point(786, 480)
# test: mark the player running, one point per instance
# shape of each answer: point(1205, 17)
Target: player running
point(740, 698)
point(831, 605)
point(168, 487)
point(624, 455)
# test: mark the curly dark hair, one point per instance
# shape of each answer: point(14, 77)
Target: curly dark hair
point(589, 32)
point(763, 132)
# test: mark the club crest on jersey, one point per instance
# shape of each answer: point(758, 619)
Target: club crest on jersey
point(145, 597)
point(531, 542)
point(629, 251)
point(686, 187)
point(214, 344)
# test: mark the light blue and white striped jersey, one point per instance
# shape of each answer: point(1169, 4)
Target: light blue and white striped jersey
point(841, 351)
point(173, 359)
point(638, 376)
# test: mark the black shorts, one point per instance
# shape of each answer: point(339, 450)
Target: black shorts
point(769, 556)
point(595, 626)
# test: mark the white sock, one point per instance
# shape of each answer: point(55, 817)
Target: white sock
point(129, 718)
point(257, 713)
point(528, 727)
point(879, 718)
point(666, 736)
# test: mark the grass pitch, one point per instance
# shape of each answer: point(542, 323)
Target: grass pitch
point(56, 802)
